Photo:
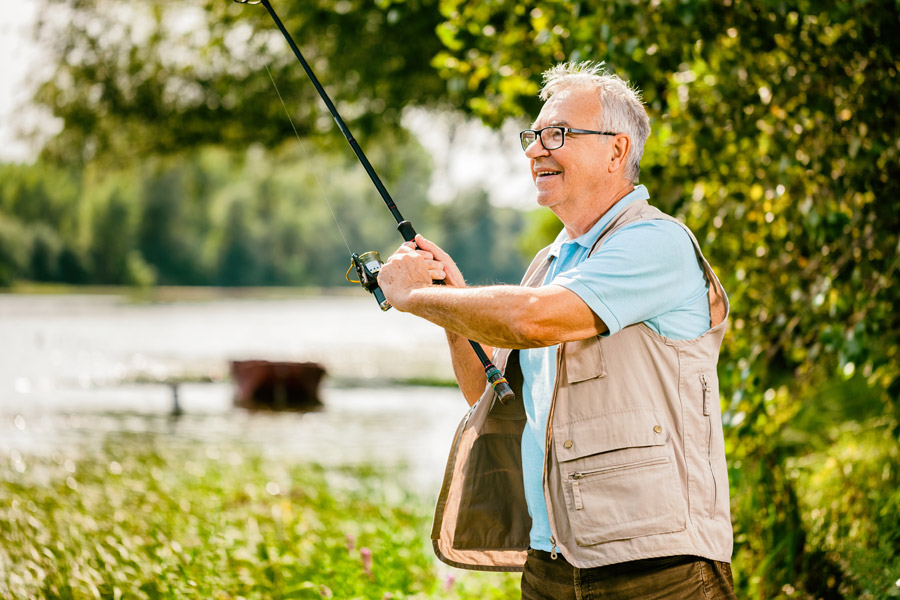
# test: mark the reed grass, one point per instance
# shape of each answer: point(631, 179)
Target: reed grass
point(148, 516)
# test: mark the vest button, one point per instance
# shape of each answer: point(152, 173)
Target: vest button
point(568, 444)
point(657, 428)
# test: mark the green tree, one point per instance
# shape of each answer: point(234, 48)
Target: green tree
point(172, 225)
point(157, 76)
point(239, 260)
point(46, 248)
point(13, 250)
point(111, 238)
point(40, 206)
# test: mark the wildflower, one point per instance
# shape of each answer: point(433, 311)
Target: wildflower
point(351, 542)
point(366, 555)
point(448, 581)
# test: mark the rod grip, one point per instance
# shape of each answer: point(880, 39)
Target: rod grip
point(406, 230)
point(501, 387)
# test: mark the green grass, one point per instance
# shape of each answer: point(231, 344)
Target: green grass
point(150, 517)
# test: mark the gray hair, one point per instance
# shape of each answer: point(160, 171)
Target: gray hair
point(621, 107)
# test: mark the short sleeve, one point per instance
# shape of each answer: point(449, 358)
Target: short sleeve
point(645, 272)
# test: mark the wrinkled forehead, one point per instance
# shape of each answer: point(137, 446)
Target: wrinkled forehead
point(577, 106)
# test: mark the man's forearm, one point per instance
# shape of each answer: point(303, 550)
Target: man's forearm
point(468, 369)
point(502, 316)
point(506, 316)
point(497, 315)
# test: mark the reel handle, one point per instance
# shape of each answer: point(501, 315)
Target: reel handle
point(382, 301)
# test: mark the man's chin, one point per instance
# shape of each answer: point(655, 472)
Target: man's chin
point(545, 199)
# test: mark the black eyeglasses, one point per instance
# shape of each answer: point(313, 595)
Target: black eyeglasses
point(553, 137)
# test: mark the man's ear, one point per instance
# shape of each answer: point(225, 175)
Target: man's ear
point(621, 147)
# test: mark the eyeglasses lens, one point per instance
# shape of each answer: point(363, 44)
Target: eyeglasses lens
point(527, 137)
point(552, 137)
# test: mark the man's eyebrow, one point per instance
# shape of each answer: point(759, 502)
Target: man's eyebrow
point(553, 124)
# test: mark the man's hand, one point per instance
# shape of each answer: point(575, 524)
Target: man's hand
point(452, 275)
point(415, 265)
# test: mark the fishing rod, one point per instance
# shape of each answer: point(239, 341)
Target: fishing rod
point(368, 264)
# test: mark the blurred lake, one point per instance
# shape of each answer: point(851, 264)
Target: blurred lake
point(75, 368)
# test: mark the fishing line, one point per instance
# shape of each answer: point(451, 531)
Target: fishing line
point(309, 159)
point(368, 264)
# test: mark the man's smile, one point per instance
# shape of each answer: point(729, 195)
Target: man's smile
point(544, 172)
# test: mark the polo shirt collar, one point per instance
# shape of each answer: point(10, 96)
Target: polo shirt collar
point(587, 239)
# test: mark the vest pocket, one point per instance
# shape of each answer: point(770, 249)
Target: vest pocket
point(584, 360)
point(493, 512)
point(619, 477)
point(578, 476)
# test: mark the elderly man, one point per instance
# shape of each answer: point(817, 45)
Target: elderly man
point(606, 478)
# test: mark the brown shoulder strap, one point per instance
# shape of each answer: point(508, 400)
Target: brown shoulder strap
point(537, 270)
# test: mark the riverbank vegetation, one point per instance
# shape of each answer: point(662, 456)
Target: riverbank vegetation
point(152, 517)
point(235, 219)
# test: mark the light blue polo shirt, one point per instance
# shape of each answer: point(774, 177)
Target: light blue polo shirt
point(645, 272)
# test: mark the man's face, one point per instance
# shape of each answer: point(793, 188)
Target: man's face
point(569, 177)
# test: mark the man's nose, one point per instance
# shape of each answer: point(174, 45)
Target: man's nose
point(536, 149)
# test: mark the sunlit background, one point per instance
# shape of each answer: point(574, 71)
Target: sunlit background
point(159, 218)
point(22, 62)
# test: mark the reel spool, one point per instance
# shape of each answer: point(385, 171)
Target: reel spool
point(367, 265)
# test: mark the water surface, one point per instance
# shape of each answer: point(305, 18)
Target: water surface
point(74, 368)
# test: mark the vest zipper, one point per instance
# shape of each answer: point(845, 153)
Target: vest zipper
point(706, 412)
point(548, 440)
point(576, 476)
point(643, 463)
point(705, 385)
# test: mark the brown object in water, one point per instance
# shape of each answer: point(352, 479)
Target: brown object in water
point(277, 385)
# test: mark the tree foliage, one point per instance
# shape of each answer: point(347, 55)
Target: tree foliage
point(159, 76)
point(253, 218)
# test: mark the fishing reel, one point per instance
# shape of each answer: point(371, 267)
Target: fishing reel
point(367, 267)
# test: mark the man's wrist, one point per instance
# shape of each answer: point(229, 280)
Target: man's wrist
point(410, 300)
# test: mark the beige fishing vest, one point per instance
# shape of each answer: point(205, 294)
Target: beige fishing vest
point(635, 456)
